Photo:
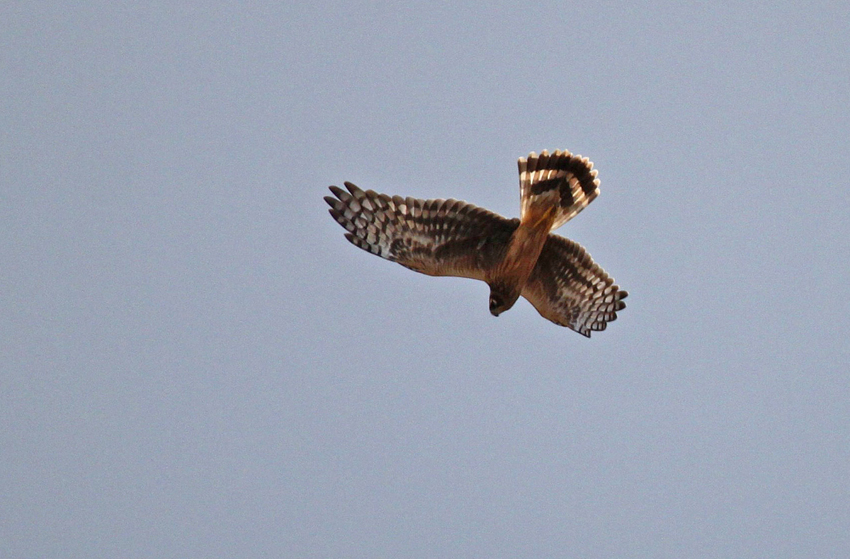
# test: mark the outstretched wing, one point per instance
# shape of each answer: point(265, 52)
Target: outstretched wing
point(434, 237)
point(569, 289)
point(561, 176)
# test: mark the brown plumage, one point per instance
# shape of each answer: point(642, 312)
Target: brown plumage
point(516, 257)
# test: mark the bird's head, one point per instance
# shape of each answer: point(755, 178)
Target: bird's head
point(501, 299)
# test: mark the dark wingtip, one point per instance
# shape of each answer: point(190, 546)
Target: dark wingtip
point(337, 216)
point(337, 191)
point(351, 187)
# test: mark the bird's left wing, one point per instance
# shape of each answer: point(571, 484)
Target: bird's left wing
point(570, 289)
point(434, 237)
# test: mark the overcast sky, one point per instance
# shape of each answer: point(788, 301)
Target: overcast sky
point(195, 363)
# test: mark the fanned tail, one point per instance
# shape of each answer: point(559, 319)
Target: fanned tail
point(560, 180)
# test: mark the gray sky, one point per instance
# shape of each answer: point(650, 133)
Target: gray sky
point(195, 363)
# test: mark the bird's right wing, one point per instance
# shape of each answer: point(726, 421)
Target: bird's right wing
point(570, 289)
point(434, 237)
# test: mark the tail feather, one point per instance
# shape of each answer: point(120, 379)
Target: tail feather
point(562, 179)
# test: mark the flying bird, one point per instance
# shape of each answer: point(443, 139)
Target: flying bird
point(514, 256)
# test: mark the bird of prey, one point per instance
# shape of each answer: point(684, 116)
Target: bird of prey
point(514, 256)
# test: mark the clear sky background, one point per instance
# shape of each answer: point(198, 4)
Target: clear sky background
point(195, 363)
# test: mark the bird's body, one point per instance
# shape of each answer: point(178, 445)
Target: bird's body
point(514, 257)
point(511, 274)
